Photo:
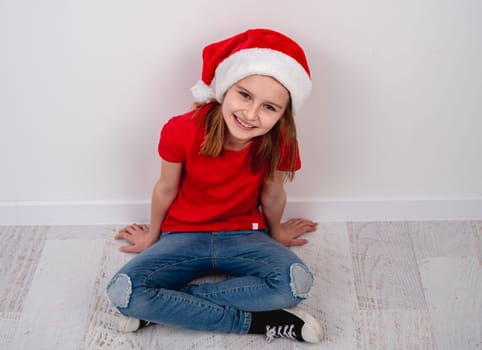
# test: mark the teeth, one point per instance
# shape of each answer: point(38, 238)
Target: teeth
point(243, 124)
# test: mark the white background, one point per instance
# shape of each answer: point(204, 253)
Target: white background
point(85, 87)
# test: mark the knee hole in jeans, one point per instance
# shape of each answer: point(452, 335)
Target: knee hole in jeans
point(119, 290)
point(301, 280)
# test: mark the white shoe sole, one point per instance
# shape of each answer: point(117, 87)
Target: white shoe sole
point(128, 324)
point(311, 331)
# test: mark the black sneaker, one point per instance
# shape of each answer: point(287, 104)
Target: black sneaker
point(293, 324)
point(130, 324)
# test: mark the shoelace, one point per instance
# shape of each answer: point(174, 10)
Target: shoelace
point(280, 331)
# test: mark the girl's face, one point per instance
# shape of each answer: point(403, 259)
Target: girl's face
point(251, 107)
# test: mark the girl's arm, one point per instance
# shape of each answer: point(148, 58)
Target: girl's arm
point(165, 190)
point(273, 202)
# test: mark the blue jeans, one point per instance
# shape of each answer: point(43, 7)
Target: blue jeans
point(155, 285)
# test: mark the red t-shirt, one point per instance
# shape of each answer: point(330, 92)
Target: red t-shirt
point(215, 193)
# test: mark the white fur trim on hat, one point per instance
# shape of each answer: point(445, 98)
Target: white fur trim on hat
point(202, 92)
point(261, 61)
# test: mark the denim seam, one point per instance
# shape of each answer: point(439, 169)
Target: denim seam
point(161, 294)
point(213, 258)
point(147, 277)
point(256, 286)
point(246, 259)
point(246, 322)
point(224, 291)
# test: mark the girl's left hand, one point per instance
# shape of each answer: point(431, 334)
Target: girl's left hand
point(292, 229)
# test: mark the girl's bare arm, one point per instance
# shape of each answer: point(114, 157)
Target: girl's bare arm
point(273, 202)
point(165, 190)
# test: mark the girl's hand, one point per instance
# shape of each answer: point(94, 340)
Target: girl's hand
point(291, 230)
point(138, 236)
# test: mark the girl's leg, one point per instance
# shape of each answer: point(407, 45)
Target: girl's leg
point(266, 275)
point(148, 286)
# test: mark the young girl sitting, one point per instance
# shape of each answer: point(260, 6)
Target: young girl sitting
point(218, 203)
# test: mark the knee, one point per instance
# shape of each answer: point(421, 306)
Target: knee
point(301, 281)
point(292, 287)
point(119, 290)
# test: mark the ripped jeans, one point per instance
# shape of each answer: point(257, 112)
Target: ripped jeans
point(264, 275)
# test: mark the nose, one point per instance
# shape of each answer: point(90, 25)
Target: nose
point(251, 112)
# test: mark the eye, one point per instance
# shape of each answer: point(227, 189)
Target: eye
point(243, 94)
point(270, 107)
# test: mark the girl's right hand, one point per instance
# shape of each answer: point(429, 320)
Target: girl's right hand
point(138, 236)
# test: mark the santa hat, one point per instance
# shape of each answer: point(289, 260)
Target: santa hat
point(256, 51)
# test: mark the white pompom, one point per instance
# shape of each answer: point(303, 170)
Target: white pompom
point(202, 92)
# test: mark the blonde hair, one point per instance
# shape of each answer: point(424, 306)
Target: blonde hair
point(265, 148)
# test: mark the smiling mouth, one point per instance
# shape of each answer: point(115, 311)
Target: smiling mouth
point(243, 124)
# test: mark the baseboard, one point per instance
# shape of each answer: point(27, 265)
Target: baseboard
point(326, 210)
point(73, 213)
point(388, 209)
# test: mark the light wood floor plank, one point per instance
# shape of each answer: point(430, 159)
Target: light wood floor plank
point(396, 329)
point(441, 238)
point(333, 299)
point(385, 267)
point(453, 288)
point(19, 256)
point(477, 233)
point(55, 309)
point(8, 326)
point(101, 328)
point(83, 232)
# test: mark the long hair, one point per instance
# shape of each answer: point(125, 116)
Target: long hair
point(265, 149)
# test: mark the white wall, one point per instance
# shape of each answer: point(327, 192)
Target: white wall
point(85, 87)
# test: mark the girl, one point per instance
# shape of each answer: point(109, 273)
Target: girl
point(219, 202)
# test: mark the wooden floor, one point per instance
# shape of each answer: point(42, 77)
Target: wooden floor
point(385, 285)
